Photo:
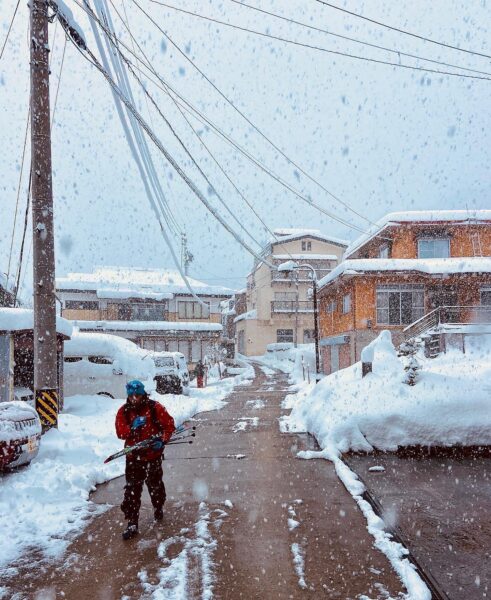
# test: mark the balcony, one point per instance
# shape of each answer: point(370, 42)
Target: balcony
point(290, 306)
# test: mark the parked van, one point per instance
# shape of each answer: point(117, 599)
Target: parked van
point(171, 373)
point(98, 363)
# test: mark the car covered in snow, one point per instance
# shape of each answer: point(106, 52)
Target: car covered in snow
point(99, 363)
point(20, 434)
point(171, 372)
point(24, 394)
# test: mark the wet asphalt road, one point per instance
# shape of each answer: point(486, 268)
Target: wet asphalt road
point(442, 507)
point(242, 482)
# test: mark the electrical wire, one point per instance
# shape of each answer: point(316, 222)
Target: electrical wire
point(201, 142)
point(356, 41)
point(9, 29)
point(190, 108)
point(320, 48)
point(246, 118)
point(415, 35)
point(86, 53)
point(250, 157)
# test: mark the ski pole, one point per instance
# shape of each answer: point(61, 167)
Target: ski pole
point(176, 443)
point(182, 437)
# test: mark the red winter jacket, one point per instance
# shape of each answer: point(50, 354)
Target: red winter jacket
point(164, 424)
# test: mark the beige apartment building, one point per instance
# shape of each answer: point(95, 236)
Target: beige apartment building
point(279, 307)
point(152, 307)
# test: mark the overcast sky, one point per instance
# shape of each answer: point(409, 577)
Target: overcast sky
point(381, 138)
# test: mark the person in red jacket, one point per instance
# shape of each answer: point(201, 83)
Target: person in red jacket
point(137, 420)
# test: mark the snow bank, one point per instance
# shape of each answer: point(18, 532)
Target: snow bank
point(449, 405)
point(286, 358)
point(44, 505)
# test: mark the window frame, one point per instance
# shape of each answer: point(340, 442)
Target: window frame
point(283, 334)
point(346, 304)
point(192, 310)
point(433, 239)
point(388, 293)
point(94, 305)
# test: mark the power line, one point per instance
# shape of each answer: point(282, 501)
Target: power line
point(125, 23)
point(319, 48)
point(246, 118)
point(415, 35)
point(258, 163)
point(9, 29)
point(356, 41)
point(86, 53)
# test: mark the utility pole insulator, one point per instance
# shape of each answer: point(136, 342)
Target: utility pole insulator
point(45, 339)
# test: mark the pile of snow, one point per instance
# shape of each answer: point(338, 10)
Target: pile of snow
point(288, 359)
point(449, 405)
point(45, 504)
point(127, 356)
point(11, 414)
point(19, 319)
point(247, 316)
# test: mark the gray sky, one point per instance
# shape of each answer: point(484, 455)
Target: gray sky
point(379, 137)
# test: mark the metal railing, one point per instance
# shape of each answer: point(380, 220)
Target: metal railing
point(290, 306)
point(441, 315)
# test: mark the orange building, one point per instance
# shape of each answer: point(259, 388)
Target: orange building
point(410, 272)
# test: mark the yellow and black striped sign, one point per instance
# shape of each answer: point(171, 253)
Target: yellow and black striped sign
point(47, 407)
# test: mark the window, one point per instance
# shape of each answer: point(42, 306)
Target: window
point(193, 310)
point(284, 335)
point(486, 296)
point(383, 251)
point(331, 307)
point(433, 248)
point(100, 360)
point(148, 312)
point(346, 303)
point(399, 304)
point(82, 305)
point(306, 245)
point(72, 359)
point(308, 336)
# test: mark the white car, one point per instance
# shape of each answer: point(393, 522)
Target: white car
point(23, 394)
point(20, 434)
point(98, 363)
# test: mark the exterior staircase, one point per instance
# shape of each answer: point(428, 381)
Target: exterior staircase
point(432, 327)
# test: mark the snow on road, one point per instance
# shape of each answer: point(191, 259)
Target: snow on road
point(196, 549)
point(45, 504)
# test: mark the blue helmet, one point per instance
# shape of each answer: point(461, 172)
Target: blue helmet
point(135, 387)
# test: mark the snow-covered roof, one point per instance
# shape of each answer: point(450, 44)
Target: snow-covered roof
point(252, 314)
point(19, 319)
point(129, 282)
point(146, 326)
point(305, 256)
point(288, 235)
point(431, 266)
point(416, 216)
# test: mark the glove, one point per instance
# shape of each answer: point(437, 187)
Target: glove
point(157, 445)
point(138, 422)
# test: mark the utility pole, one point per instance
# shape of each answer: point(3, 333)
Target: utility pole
point(45, 342)
point(295, 332)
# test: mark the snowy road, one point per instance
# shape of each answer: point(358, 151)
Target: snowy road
point(244, 518)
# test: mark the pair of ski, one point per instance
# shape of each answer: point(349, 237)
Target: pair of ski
point(180, 436)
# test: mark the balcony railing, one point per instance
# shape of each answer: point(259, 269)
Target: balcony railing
point(290, 306)
point(448, 314)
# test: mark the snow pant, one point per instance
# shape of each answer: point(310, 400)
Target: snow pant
point(137, 473)
point(199, 380)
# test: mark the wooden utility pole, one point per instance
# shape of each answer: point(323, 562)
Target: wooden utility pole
point(45, 342)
